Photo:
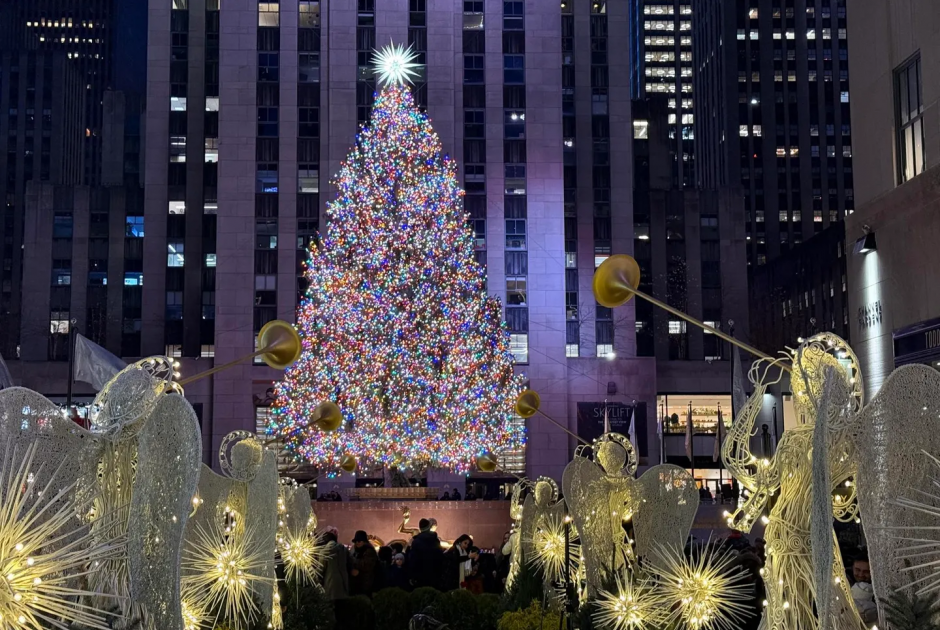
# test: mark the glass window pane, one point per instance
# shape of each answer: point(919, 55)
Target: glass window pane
point(902, 97)
point(908, 154)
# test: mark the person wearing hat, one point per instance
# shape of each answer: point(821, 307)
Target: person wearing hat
point(397, 574)
point(336, 566)
point(365, 565)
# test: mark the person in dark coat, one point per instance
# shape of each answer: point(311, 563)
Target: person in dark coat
point(455, 560)
point(365, 565)
point(398, 574)
point(336, 567)
point(425, 557)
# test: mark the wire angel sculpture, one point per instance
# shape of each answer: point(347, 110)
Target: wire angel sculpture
point(602, 494)
point(513, 547)
point(804, 576)
point(137, 470)
point(892, 431)
point(237, 511)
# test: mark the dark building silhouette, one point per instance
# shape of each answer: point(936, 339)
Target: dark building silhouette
point(771, 98)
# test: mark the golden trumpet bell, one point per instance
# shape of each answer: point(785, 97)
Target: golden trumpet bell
point(281, 344)
point(615, 280)
point(327, 416)
point(348, 463)
point(527, 403)
point(487, 462)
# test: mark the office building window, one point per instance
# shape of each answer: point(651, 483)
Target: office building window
point(268, 66)
point(473, 69)
point(134, 227)
point(174, 254)
point(268, 14)
point(513, 19)
point(605, 351)
point(519, 346)
point(910, 125)
point(309, 14)
point(513, 69)
point(571, 350)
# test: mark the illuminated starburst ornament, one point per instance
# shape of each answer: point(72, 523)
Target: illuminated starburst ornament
point(395, 64)
point(548, 541)
point(219, 570)
point(301, 555)
point(704, 591)
point(193, 616)
point(635, 605)
point(41, 554)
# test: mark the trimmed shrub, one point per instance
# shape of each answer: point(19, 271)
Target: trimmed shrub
point(422, 598)
point(306, 608)
point(531, 618)
point(458, 609)
point(488, 611)
point(355, 612)
point(392, 609)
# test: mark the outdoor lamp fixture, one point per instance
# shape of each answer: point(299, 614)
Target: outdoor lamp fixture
point(866, 244)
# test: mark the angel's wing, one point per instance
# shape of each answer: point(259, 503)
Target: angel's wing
point(669, 501)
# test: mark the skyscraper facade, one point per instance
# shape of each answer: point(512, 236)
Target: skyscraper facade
point(771, 96)
point(252, 106)
point(82, 31)
point(661, 55)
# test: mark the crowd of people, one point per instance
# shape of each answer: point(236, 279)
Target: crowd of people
point(363, 570)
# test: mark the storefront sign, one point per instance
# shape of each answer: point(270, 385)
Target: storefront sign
point(591, 421)
point(869, 315)
point(917, 344)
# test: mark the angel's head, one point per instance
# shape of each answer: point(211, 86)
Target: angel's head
point(612, 457)
point(543, 493)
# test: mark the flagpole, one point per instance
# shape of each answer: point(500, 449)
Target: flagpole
point(68, 395)
point(691, 430)
point(776, 435)
point(662, 433)
point(721, 479)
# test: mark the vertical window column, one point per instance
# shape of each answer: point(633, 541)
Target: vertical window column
point(365, 45)
point(514, 193)
point(267, 158)
point(418, 40)
point(308, 141)
point(600, 177)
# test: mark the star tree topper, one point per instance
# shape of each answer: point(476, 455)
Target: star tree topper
point(395, 64)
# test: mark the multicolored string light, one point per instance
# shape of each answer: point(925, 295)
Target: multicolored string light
point(397, 327)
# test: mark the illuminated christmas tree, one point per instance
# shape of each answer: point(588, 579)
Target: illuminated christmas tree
point(397, 328)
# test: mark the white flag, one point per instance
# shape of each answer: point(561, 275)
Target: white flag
point(719, 437)
point(93, 364)
point(606, 420)
point(738, 384)
point(5, 379)
point(689, 432)
point(633, 430)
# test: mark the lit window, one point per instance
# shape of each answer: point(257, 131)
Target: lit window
point(309, 14)
point(308, 179)
point(811, 33)
point(59, 323)
point(177, 103)
point(210, 260)
point(676, 327)
point(743, 131)
point(598, 259)
point(844, 97)
point(212, 103)
point(571, 350)
point(61, 272)
point(756, 131)
point(211, 150)
point(268, 14)
point(641, 129)
point(173, 350)
point(519, 346)
point(605, 351)
point(133, 279)
point(177, 207)
point(207, 351)
point(473, 15)
point(177, 148)
point(174, 254)
point(571, 260)
point(134, 226)
point(515, 290)
point(710, 325)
